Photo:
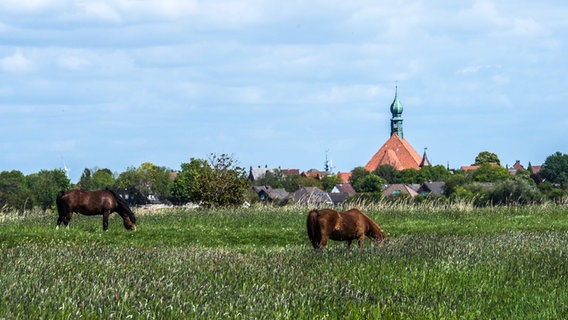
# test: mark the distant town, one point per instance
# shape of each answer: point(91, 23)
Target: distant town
point(396, 172)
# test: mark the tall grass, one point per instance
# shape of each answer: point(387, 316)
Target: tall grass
point(256, 263)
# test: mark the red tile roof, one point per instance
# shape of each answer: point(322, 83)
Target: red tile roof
point(345, 176)
point(474, 167)
point(396, 152)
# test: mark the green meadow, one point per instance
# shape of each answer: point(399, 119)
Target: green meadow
point(457, 262)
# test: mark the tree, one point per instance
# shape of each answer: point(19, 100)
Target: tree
point(86, 181)
point(358, 174)
point(329, 182)
point(555, 169)
point(14, 192)
point(303, 181)
point(274, 179)
point(188, 185)
point(146, 182)
point(454, 184)
point(371, 184)
point(158, 180)
point(486, 157)
point(103, 178)
point(433, 173)
point(217, 182)
point(45, 185)
point(96, 179)
point(408, 176)
point(515, 191)
point(489, 173)
point(386, 172)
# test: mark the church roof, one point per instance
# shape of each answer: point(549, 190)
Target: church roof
point(396, 152)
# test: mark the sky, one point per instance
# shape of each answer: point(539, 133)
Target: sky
point(115, 83)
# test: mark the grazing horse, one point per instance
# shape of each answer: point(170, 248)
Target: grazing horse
point(101, 202)
point(346, 226)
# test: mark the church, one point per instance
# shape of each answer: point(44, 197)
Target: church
point(396, 151)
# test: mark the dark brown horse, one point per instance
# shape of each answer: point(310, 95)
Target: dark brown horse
point(346, 226)
point(101, 202)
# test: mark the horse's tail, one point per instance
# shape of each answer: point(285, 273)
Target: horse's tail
point(59, 203)
point(123, 205)
point(314, 231)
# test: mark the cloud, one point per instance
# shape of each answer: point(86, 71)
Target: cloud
point(473, 69)
point(30, 6)
point(482, 12)
point(100, 11)
point(526, 27)
point(16, 63)
point(73, 62)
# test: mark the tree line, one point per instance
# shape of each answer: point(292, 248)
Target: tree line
point(488, 184)
point(219, 181)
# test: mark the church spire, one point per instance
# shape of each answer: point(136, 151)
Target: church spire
point(425, 161)
point(396, 120)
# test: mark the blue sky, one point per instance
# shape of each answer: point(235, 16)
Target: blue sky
point(112, 84)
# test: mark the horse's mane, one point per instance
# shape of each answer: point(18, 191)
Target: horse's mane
point(123, 205)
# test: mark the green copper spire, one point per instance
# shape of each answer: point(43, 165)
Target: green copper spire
point(396, 120)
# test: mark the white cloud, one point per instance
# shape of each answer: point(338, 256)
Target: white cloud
point(470, 69)
point(29, 6)
point(100, 11)
point(16, 63)
point(217, 14)
point(73, 62)
point(481, 12)
point(500, 79)
point(343, 94)
point(526, 27)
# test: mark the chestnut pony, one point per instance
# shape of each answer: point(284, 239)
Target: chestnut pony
point(346, 226)
point(101, 202)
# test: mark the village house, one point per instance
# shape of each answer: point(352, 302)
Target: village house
point(273, 195)
point(311, 196)
point(400, 189)
point(258, 173)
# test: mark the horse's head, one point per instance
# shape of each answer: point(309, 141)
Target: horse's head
point(378, 237)
point(128, 218)
point(377, 234)
point(129, 225)
point(126, 213)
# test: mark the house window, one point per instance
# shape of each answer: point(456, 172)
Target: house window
point(396, 192)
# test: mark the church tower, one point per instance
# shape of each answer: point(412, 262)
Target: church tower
point(396, 120)
point(396, 151)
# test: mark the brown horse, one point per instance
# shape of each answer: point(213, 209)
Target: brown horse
point(346, 226)
point(101, 202)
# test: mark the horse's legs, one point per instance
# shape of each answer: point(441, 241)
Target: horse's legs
point(361, 241)
point(348, 244)
point(65, 218)
point(323, 241)
point(105, 220)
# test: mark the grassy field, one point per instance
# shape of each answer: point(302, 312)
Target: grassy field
point(464, 263)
